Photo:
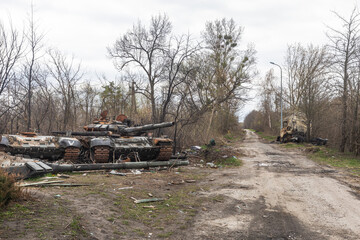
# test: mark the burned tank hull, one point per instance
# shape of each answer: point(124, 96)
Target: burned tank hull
point(43, 147)
point(294, 129)
point(139, 148)
point(116, 140)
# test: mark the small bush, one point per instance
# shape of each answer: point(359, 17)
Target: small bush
point(8, 189)
point(229, 162)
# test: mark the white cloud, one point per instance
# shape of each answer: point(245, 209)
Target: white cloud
point(86, 27)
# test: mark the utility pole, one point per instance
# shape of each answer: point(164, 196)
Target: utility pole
point(281, 96)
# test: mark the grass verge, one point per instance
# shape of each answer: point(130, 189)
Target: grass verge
point(266, 136)
point(328, 156)
point(332, 157)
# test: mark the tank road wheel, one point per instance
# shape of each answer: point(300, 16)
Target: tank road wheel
point(71, 154)
point(165, 151)
point(100, 154)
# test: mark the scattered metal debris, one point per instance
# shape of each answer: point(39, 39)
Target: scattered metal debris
point(63, 175)
point(190, 181)
point(123, 188)
point(210, 164)
point(176, 183)
point(136, 172)
point(113, 172)
point(196, 148)
point(149, 200)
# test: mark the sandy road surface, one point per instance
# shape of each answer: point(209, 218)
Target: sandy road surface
point(278, 194)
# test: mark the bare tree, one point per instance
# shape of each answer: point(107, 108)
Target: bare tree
point(354, 101)
point(66, 74)
point(11, 49)
point(180, 49)
point(343, 45)
point(307, 84)
point(10, 52)
point(89, 96)
point(231, 68)
point(144, 48)
point(31, 66)
point(269, 103)
point(43, 103)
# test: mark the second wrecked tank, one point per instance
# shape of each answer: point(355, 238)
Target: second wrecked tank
point(295, 130)
point(44, 147)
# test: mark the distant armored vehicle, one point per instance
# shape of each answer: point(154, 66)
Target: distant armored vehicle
point(294, 129)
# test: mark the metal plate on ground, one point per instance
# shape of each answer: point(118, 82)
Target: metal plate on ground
point(44, 166)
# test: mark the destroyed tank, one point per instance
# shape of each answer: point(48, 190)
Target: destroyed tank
point(115, 141)
point(29, 144)
point(294, 129)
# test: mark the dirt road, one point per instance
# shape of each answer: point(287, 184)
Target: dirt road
point(278, 194)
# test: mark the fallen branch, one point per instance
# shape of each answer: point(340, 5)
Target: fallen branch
point(39, 183)
point(65, 185)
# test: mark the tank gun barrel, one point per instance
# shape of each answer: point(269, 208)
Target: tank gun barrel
point(94, 134)
point(146, 127)
point(31, 169)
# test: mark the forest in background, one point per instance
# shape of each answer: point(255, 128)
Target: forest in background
point(320, 82)
point(198, 84)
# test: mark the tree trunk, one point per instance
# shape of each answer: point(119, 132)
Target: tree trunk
point(344, 135)
point(175, 138)
point(355, 121)
point(153, 106)
point(210, 123)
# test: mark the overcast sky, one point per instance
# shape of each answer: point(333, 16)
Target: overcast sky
point(85, 28)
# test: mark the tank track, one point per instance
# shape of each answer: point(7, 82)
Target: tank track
point(2, 148)
point(101, 154)
point(165, 151)
point(71, 154)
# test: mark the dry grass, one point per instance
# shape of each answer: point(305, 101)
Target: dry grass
point(9, 191)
